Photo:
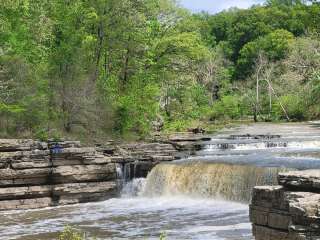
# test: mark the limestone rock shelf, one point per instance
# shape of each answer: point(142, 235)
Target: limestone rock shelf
point(290, 211)
point(36, 174)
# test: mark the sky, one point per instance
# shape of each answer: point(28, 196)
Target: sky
point(214, 6)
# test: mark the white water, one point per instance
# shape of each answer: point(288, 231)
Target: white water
point(135, 218)
point(208, 180)
point(185, 211)
point(264, 145)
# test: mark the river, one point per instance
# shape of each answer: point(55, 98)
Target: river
point(203, 197)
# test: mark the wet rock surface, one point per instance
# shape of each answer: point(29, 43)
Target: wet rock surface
point(36, 174)
point(290, 211)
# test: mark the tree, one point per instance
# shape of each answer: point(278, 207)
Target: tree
point(274, 46)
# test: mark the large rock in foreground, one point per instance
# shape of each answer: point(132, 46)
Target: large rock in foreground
point(290, 211)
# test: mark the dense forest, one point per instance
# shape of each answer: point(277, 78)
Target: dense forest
point(91, 68)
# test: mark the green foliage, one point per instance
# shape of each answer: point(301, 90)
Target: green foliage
point(178, 125)
point(230, 106)
point(238, 29)
point(89, 68)
point(293, 105)
point(4, 108)
point(70, 233)
point(274, 45)
point(163, 236)
point(42, 135)
point(137, 109)
point(313, 98)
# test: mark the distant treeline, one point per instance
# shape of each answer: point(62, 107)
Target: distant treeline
point(91, 68)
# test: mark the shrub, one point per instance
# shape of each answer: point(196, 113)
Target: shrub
point(228, 107)
point(293, 106)
point(70, 233)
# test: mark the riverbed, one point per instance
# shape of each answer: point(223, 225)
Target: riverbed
point(202, 197)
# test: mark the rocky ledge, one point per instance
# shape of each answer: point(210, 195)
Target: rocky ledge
point(36, 174)
point(290, 211)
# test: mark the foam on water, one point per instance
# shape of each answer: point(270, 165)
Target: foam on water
point(182, 199)
point(208, 180)
point(133, 188)
point(263, 145)
point(135, 218)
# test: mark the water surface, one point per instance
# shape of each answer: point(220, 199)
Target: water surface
point(187, 199)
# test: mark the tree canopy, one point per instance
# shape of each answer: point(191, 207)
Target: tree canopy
point(91, 68)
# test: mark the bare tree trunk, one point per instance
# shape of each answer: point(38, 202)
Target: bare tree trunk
point(282, 107)
point(257, 101)
point(260, 63)
point(270, 101)
point(126, 67)
point(257, 91)
point(98, 51)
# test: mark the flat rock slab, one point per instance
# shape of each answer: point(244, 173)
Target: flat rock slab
point(64, 144)
point(83, 173)
point(188, 137)
point(25, 204)
point(52, 195)
point(9, 145)
point(308, 180)
point(25, 159)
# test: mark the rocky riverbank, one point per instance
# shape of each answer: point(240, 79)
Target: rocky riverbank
point(36, 174)
point(290, 211)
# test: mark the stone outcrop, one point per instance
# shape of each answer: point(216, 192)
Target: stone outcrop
point(290, 211)
point(36, 174)
point(186, 141)
point(137, 159)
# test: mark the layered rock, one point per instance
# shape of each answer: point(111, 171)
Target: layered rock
point(186, 142)
point(137, 159)
point(290, 211)
point(36, 174)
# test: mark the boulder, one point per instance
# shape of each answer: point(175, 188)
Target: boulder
point(288, 211)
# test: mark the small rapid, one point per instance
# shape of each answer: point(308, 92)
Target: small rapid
point(263, 145)
point(202, 197)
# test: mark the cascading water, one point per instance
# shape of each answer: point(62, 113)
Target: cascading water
point(134, 188)
point(262, 145)
point(203, 197)
point(207, 180)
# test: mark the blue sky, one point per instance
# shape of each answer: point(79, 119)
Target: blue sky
point(214, 6)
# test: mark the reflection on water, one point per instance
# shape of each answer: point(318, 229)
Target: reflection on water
point(134, 218)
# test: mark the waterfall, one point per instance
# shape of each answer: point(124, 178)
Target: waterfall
point(134, 188)
point(262, 145)
point(119, 171)
point(208, 180)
